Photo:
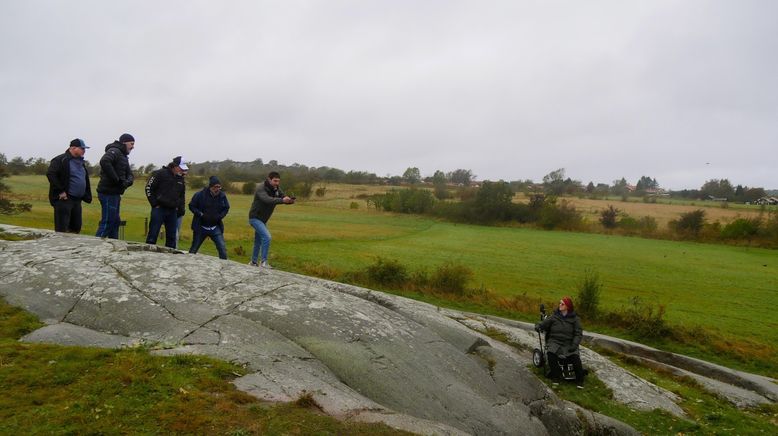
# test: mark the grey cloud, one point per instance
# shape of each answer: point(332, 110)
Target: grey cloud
point(510, 89)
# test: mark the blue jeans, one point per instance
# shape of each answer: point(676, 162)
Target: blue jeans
point(216, 236)
point(261, 239)
point(160, 216)
point(109, 221)
point(178, 229)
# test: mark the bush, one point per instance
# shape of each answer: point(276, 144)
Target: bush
point(644, 225)
point(644, 321)
point(608, 217)
point(589, 291)
point(742, 228)
point(387, 272)
point(301, 190)
point(411, 200)
point(353, 205)
point(563, 216)
point(248, 188)
point(451, 278)
point(320, 191)
point(689, 224)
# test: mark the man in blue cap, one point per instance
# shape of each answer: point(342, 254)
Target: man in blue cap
point(115, 178)
point(69, 186)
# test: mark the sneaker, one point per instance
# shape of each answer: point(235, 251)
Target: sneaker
point(579, 386)
point(264, 264)
point(252, 263)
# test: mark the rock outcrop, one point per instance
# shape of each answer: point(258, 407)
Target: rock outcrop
point(363, 355)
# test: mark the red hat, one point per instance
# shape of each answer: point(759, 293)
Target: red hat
point(568, 303)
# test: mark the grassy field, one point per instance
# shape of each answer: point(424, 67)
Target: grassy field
point(731, 290)
point(666, 209)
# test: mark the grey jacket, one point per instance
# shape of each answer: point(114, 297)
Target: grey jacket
point(265, 200)
point(563, 333)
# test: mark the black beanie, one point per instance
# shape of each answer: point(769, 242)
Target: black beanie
point(126, 137)
point(213, 180)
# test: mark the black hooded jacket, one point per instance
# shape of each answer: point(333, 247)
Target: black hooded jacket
point(115, 172)
point(165, 189)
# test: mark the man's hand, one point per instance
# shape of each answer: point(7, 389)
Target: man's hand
point(288, 200)
point(63, 195)
point(537, 327)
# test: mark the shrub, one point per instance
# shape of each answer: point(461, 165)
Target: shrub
point(411, 200)
point(248, 188)
point(608, 217)
point(451, 278)
point(742, 228)
point(353, 205)
point(645, 321)
point(320, 191)
point(239, 250)
point(589, 291)
point(689, 224)
point(563, 216)
point(387, 272)
point(301, 189)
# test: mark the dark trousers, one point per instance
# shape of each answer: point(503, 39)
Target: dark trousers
point(67, 215)
point(555, 373)
point(109, 221)
point(168, 217)
point(216, 236)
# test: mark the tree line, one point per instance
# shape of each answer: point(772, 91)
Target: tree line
point(554, 183)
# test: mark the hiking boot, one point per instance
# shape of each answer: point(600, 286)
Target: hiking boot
point(252, 263)
point(264, 264)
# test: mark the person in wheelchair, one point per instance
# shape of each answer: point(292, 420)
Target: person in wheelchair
point(563, 336)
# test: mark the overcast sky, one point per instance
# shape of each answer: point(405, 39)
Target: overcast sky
point(682, 91)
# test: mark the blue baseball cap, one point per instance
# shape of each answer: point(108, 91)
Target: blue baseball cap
point(78, 143)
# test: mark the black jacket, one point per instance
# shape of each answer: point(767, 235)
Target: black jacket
point(115, 172)
point(59, 177)
point(265, 200)
point(563, 333)
point(208, 210)
point(165, 189)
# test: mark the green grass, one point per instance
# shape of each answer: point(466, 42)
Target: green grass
point(707, 413)
point(49, 389)
point(725, 289)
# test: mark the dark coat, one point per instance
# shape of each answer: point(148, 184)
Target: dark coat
point(165, 189)
point(208, 210)
point(266, 198)
point(59, 177)
point(115, 172)
point(563, 333)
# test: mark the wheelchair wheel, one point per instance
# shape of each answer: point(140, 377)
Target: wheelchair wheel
point(537, 358)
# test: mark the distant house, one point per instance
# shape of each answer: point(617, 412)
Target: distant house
point(712, 198)
point(767, 201)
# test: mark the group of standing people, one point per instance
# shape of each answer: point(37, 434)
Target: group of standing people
point(165, 191)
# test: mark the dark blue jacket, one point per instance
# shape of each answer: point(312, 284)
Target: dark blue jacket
point(208, 210)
